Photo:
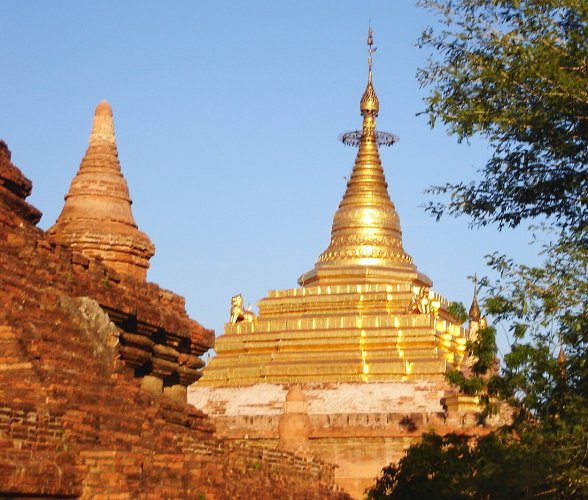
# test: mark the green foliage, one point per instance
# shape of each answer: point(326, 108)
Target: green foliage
point(549, 309)
point(468, 385)
point(516, 73)
point(458, 311)
point(433, 465)
point(547, 441)
point(484, 350)
point(502, 465)
point(482, 382)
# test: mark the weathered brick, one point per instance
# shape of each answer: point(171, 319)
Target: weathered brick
point(74, 420)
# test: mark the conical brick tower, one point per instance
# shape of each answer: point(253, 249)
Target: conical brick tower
point(97, 219)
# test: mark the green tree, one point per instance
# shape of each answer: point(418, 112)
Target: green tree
point(458, 311)
point(516, 74)
point(501, 465)
point(544, 452)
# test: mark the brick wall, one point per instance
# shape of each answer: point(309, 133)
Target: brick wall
point(74, 420)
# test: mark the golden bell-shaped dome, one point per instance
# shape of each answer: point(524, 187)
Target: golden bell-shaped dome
point(366, 238)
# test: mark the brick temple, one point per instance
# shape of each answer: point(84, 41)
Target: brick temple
point(308, 399)
point(95, 360)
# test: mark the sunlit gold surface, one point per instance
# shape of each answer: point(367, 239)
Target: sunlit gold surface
point(239, 314)
point(354, 317)
point(339, 333)
point(366, 230)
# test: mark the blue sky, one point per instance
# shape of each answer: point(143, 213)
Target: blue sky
point(227, 116)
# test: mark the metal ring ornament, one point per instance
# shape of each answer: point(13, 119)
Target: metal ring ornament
point(353, 138)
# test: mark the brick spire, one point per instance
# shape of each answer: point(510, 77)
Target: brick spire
point(97, 219)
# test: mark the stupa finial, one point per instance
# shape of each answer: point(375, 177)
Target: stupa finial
point(103, 125)
point(369, 101)
point(366, 228)
point(371, 50)
point(475, 314)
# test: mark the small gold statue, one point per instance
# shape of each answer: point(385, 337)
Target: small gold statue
point(421, 301)
point(239, 314)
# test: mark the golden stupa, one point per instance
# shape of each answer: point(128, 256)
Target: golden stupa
point(363, 314)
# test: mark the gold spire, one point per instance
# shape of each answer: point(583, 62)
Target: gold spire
point(475, 314)
point(369, 101)
point(366, 235)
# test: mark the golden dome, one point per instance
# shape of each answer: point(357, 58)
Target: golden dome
point(366, 237)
